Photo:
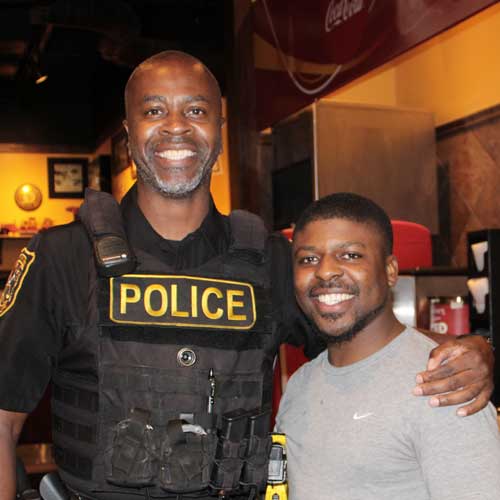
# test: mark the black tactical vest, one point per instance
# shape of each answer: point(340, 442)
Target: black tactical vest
point(184, 383)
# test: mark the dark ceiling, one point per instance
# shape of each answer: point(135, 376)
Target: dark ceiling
point(88, 49)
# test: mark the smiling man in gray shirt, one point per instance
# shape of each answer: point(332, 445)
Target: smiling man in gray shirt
point(354, 429)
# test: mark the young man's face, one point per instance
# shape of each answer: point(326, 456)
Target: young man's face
point(341, 275)
point(174, 125)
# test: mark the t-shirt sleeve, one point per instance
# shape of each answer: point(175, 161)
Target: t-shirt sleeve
point(31, 319)
point(459, 456)
point(294, 327)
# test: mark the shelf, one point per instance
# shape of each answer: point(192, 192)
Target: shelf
point(18, 237)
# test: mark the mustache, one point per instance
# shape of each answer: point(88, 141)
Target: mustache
point(337, 284)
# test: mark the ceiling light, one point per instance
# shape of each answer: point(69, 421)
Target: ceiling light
point(40, 77)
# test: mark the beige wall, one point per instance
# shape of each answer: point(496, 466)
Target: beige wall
point(453, 75)
point(21, 168)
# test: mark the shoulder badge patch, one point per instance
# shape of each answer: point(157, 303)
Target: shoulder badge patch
point(15, 280)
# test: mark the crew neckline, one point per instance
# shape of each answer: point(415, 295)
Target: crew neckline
point(366, 362)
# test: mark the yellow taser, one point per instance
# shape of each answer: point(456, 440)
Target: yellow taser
point(277, 486)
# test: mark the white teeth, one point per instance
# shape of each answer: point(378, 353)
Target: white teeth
point(176, 154)
point(334, 298)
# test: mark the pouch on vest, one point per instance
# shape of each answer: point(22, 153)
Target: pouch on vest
point(186, 457)
point(133, 460)
point(230, 452)
point(255, 467)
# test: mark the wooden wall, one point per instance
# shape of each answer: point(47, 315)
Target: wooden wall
point(469, 181)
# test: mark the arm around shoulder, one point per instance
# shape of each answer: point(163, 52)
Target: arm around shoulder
point(459, 370)
point(11, 424)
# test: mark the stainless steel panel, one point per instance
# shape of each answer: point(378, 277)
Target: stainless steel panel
point(386, 154)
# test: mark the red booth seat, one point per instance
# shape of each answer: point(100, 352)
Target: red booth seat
point(412, 244)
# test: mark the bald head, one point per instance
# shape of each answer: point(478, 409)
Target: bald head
point(172, 58)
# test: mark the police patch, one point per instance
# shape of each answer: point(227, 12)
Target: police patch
point(15, 280)
point(173, 300)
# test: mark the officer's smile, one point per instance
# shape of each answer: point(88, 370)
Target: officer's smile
point(175, 155)
point(175, 150)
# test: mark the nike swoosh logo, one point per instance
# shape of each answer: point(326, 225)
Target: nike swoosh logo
point(362, 415)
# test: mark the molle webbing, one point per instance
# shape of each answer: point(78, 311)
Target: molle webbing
point(74, 412)
point(79, 432)
point(248, 231)
point(77, 398)
point(73, 462)
point(187, 385)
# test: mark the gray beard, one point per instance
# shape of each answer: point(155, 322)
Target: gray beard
point(357, 326)
point(177, 190)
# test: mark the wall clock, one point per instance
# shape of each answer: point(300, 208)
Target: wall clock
point(28, 197)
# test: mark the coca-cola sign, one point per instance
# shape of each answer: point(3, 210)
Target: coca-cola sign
point(306, 49)
point(340, 11)
point(332, 32)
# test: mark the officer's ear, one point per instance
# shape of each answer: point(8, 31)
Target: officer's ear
point(391, 270)
point(125, 126)
point(221, 147)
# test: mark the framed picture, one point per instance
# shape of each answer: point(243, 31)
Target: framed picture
point(67, 177)
point(120, 159)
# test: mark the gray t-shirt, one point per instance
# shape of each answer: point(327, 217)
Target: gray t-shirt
point(358, 433)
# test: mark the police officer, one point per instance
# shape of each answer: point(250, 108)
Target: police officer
point(159, 366)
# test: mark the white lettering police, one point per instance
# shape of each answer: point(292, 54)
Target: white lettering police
point(340, 11)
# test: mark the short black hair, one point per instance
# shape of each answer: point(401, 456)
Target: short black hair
point(349, 206)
